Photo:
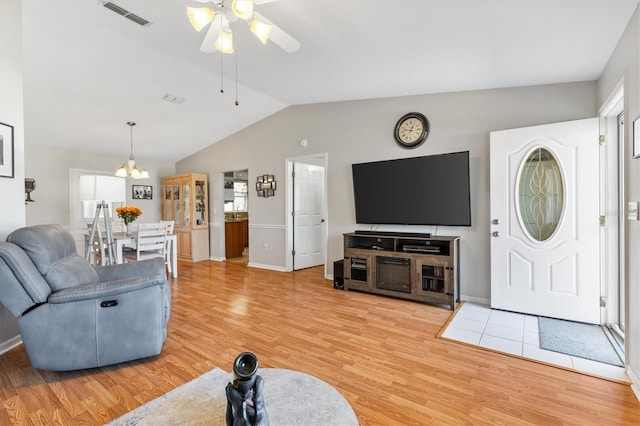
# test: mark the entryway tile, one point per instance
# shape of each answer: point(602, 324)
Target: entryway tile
point(467, 324)
point(531, 323)
point(534, 352)
point(461, 335)
point(517, 334)
point(531, 338)
point(502, 345)
point(481, 315)
point(505, 332)
point(599, 368)
point(507, 319)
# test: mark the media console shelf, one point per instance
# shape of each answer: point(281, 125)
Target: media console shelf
point(410, 266)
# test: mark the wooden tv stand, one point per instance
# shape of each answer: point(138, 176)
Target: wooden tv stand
point(409, 266)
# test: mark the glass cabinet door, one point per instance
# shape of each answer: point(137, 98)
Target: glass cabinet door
point(177, 217)
point(168, 203)
point(187, 207)
point(201, 209)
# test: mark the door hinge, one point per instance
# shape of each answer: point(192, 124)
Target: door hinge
point(293, 252)
point(293, 213)
point(603, 139)
point(603, 302)
point(293, 174)
point(603, 220)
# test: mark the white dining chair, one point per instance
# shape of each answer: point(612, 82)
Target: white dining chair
point(151, 241)
point(170, 224)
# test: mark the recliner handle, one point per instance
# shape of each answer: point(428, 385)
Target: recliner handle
point(108, 303)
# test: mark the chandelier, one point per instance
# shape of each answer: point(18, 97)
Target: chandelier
point(129, 168)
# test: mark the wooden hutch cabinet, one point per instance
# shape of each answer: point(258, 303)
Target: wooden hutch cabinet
point(185, 201)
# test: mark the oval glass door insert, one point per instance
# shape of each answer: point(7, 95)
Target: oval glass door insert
point(540, 194)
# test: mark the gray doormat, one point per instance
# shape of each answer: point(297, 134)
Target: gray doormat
point(577, 339)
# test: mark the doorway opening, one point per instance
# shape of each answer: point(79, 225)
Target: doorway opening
point(236, 216)
point(306, 223)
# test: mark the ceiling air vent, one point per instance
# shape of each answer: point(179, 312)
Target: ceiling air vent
point(124, 12)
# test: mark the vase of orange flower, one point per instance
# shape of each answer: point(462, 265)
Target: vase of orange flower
point(128, 214)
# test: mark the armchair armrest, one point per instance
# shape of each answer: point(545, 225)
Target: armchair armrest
point(106, 289)
point(129, 270)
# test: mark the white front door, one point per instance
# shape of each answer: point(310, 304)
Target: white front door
point(308, 220)
point(545, 220)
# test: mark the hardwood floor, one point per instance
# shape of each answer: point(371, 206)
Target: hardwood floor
point(380, 353)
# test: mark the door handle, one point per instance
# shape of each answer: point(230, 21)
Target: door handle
point(495, 233)
point(495, 222)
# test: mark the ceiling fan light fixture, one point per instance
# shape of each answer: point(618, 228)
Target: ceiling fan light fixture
point(261, 30)
point(225, 41)
point(200, 17)
point(242, 8)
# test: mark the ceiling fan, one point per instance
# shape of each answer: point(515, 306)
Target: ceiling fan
point(223, 12)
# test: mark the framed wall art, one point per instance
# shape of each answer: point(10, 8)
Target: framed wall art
point(266, 186)
point(636, 138)
point(142, 192)
point(6, 151)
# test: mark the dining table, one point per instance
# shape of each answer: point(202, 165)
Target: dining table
point(126, 239)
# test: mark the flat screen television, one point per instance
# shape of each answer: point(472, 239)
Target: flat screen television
point(429, 190)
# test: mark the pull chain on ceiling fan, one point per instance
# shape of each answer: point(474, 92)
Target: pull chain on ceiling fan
point(219, 37)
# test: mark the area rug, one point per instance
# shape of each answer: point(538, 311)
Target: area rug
point(577, 339)
point(291, 398)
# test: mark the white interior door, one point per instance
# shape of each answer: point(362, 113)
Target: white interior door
point(308, 221)
point(545, 220)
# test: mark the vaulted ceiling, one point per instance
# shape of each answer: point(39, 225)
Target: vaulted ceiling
point(88, 70)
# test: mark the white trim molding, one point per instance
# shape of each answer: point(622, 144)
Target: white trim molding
point(7, 345)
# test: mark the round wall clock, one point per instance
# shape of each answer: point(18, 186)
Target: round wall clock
point(411, 130)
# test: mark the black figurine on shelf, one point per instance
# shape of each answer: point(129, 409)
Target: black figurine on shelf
point(245, 401)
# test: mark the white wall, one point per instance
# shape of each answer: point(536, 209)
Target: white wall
point(624, 65)
point(360, 131)
point(11, 112)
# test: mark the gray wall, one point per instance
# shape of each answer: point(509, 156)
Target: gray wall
point(50, 168)
point(360, 131)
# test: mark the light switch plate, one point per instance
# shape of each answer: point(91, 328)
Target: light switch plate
point(632, 210)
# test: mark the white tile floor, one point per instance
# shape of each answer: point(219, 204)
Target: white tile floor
point(517, 334)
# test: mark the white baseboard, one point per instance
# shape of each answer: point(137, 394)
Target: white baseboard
point(270, 267)
point(7, 345)
point(635, 382)
point(478, 300)
point(218, 259)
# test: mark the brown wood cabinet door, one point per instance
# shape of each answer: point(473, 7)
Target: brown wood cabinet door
point(245, 234)
point(184, 243)
point(233, 239)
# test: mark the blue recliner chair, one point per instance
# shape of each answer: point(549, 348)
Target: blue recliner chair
point(73, 316)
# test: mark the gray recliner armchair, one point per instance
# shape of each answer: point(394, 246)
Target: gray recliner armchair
point(73, 316)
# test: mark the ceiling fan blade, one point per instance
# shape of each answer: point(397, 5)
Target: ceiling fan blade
point(209, 43)
point(279, 36)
